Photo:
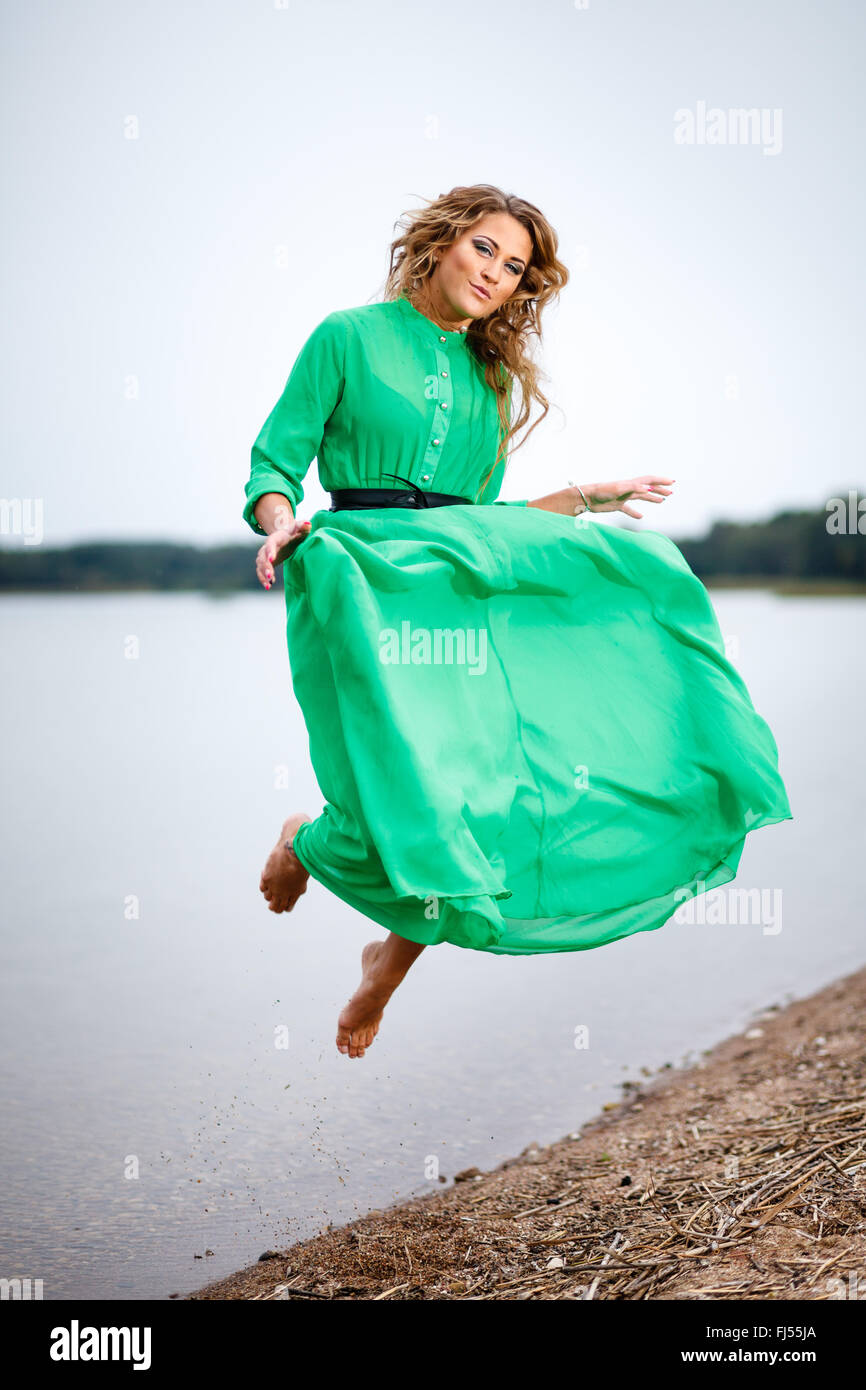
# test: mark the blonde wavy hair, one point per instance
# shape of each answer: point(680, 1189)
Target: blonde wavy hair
point(500, 341)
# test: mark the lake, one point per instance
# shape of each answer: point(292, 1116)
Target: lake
point(153, 748)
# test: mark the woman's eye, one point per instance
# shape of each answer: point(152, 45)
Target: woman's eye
point(515, 269)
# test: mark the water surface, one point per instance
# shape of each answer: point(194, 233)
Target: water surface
point(149, 1114)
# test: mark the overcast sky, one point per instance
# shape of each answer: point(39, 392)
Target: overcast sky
point(160, 286)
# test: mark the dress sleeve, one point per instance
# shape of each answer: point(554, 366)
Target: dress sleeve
point(292, 435)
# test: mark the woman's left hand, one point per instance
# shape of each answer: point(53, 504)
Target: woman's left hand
point(619, 496)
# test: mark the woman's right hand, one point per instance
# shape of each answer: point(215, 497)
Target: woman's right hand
point(278, 545)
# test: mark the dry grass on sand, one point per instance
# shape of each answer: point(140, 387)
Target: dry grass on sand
point(743, 1177)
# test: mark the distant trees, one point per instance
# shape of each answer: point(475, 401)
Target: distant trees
point(792, 545)
point(95, 566)
point(825, 544)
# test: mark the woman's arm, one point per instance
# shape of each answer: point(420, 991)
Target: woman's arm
point(290, 439)
point(292, 435)
point(606, 497)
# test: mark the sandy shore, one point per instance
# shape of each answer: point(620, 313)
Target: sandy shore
point(742, 1177)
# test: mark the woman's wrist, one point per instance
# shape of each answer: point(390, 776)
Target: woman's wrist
point(566, 502)
point(583, 506)
point(273, 512)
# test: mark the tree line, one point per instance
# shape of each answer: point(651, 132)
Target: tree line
point(822, 544)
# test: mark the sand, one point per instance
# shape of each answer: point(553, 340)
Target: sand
point(741, 1177)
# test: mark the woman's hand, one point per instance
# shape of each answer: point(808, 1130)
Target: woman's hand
point(607, 497)
point(617, 497)
point(279, 544)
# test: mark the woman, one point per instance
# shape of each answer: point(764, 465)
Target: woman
point(523, 723)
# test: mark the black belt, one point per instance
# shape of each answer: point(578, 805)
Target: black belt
point(358, 498)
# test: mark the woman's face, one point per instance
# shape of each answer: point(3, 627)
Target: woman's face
point(491, 257)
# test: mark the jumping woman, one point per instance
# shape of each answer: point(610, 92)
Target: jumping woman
point(523, 723)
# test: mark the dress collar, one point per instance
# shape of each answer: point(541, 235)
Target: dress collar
point(447, 337)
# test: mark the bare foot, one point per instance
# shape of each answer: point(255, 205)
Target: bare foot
point(383, 966)
point(284, 877)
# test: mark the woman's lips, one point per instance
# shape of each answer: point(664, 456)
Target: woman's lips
point(479, 290)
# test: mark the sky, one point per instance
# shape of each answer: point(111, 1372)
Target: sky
point(192, 187)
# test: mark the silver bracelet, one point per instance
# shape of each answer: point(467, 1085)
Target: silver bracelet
point(580, 490)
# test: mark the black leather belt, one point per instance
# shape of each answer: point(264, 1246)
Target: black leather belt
point(358, 498)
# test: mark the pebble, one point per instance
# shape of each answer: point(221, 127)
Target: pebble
point(467, 1174)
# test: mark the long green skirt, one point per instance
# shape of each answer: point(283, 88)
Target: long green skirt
point(525, 729)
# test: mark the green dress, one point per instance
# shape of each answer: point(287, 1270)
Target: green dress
point(526, 732)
